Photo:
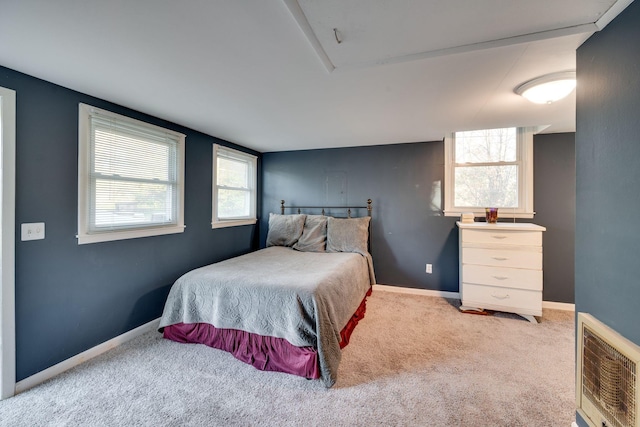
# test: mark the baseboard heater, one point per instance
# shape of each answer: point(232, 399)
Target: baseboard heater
point(607, 392)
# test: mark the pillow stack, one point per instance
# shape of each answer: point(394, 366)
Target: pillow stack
point(319, 233)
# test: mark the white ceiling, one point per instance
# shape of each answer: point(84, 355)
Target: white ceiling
point(270, 75)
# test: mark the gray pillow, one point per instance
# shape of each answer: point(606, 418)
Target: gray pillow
point(314, 234)
point(284, 230)
point(348, 234)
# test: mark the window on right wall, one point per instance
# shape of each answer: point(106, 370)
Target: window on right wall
point(489, 168)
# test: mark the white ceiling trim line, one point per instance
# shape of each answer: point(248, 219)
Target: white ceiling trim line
point(613, 11)
point(587, 28)
point(473, 47)
point(303, 23)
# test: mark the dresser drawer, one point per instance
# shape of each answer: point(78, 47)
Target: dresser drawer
point(503, 299)
point(527, 259)
point(525, 238)
point(503, 277)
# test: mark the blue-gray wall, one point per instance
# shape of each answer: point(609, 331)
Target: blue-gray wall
point(554, 186)
point(408, 230)
point(608, 175)
point(70, 298)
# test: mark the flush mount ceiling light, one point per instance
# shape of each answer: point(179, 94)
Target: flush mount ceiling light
point(548, 88)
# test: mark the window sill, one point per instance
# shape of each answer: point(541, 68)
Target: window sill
point(233, 223)
point(109, 236)
point(501, 214)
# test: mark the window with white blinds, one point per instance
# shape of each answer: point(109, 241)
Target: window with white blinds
point(234, 187)
point(131, 178)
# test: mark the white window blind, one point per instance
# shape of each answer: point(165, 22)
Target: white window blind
point(133, 177)
point(234, 187)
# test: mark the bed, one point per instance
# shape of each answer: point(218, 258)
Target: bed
point(290, 307)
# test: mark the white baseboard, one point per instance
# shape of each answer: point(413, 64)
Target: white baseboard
point(559, 305)
point(415, 291)
point(456, 295)
point(65, 365)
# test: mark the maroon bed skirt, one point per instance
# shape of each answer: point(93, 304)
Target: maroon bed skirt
point(263, 352)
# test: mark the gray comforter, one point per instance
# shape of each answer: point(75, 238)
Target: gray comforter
point(303, 297)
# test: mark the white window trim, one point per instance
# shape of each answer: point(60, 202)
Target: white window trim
point(84, 162)
point(8, 230)
point(234, 222)
point(525, 178)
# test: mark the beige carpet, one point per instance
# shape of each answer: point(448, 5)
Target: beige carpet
point(413, 361)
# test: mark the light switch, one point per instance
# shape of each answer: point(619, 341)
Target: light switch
point(33, 231)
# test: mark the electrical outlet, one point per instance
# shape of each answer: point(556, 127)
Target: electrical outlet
point(429, 269)
point(33, 231)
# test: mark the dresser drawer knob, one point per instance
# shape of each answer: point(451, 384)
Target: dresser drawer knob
point(500, 258)
point(500, 277)
point(499, 296)
point(499, 236)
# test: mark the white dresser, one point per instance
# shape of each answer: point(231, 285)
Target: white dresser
point(501, 267)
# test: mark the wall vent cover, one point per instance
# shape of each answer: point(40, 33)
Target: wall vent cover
point(606, 378)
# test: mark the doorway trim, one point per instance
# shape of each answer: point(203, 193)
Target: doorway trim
point(8, 230)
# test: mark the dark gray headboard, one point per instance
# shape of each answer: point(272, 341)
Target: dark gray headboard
point(325, 208)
